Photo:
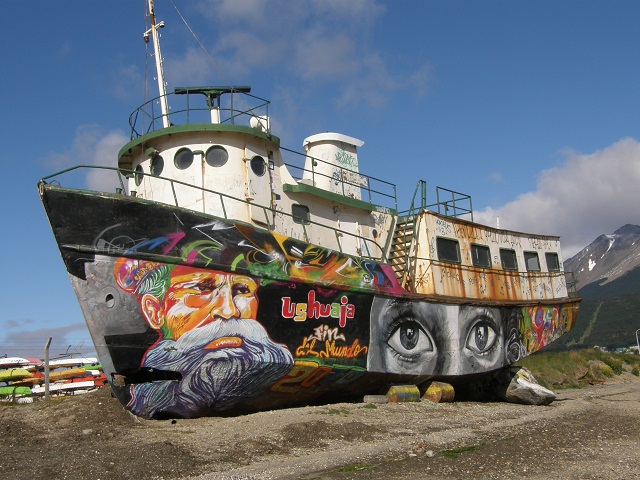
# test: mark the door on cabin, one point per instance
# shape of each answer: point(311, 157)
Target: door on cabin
point(349, 241)
point(259, 185)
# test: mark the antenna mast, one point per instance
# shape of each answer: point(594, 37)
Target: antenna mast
point(162, 88)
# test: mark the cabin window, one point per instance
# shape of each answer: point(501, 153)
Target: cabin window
point(480, 256)
point(553, 263)
point(183, 159)
point(138, 175)
point(300, 213)
point(217, 156)
point(508, 259)
point(157, 165)
point(258, 166)
point(532, 262)
point(448, 250)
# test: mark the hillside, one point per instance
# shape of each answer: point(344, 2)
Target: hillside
point(608, 275)
point(607, 258)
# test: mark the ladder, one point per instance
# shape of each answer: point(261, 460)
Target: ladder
point(401, 248)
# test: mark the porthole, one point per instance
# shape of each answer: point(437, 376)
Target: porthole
point(183, 159)
point(258, 166)
point(138, 175)
point(109, 301)
point(157, 165)
point(217, 156)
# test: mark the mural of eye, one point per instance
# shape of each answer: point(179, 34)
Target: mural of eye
point(482, 335)
point(410, 339)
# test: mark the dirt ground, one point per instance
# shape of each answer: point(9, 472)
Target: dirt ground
point(585, 434)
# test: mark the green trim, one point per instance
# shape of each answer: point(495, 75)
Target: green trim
point(334, 197)
point(126, 153)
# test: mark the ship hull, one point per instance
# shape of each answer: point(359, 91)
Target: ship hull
point(194, 315)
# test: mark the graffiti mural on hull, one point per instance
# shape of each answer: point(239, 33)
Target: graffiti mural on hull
point(207, 332)
point(427, 338)
point(278, 322)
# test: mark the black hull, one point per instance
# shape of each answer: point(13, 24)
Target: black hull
point(300, 323)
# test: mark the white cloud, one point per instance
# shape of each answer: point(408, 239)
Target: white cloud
point(72, 338)
point(126, 82)
point(328, 41)
point(586, 196)
point(94, 147)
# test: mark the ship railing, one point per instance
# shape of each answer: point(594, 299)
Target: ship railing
point(477, 275)
point(233, 107)
point(448, 202)
point(370, 249)
point(572, 283)
point(377, 191)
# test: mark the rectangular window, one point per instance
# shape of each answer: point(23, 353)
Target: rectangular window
point(508, 259)
point(553, 263)
point(532, 262)
point(300, 213)
point(448, 250)
point(480, 256)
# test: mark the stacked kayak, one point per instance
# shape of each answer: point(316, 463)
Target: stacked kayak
point(22, 379)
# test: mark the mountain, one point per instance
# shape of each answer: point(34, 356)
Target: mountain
point(607, 273)
point(607, 258)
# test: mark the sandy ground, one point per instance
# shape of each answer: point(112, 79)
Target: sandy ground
point(585, 434)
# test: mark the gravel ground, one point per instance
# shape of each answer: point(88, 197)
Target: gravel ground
point(588, 433)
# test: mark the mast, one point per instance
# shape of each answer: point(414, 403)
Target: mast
point(162, 88)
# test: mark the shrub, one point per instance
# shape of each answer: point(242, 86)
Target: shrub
point(615, 364)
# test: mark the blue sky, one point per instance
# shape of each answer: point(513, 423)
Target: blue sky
point(531, 107)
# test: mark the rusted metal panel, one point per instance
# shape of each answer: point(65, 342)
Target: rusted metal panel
point(432, 276)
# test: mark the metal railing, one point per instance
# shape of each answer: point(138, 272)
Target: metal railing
point(377, 191)
point(432, 264)
point(148, 116)
point(225, 202)
point(456, 205)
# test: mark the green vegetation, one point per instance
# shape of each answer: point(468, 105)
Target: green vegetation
point(455, 453)
point(608, 314)
point(356, 468)
point(574, 369)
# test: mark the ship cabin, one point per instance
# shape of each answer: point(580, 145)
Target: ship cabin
point(220, 158)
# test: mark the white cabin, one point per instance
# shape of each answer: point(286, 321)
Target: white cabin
point(233, 168)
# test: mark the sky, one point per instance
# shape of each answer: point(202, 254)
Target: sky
point(530, 107)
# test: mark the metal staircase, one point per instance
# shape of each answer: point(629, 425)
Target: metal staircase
point(401, 248)
point(403, 245)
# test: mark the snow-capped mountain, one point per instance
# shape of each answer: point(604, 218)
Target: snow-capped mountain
point(607, 258)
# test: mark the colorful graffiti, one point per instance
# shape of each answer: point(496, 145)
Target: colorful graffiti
point(206, 321)
point(236, 316)
point(314, 309)
point(540, 325)
point(416, 337)
point(307, 375)
point(266, 255)
point(427, 338)
point(326, 338)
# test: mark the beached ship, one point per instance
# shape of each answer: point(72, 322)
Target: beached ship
point(228, 273)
